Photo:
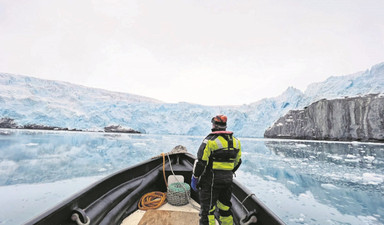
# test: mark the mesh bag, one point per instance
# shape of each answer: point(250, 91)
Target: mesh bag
point(178, 194)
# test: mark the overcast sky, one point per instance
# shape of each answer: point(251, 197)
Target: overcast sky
point(198, 51)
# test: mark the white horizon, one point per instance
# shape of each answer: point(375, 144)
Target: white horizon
point(208, 53)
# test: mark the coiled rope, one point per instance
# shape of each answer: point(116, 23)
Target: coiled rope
point(154, 200)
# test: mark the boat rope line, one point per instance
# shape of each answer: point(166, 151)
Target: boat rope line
point(165, 179)
point(75, 217)
point(152, 200)
point(242, 203)
point(250, 217)
point(186, 191)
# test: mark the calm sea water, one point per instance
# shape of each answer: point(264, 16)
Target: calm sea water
point(302, 182)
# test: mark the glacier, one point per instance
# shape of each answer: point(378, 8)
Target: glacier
point(29, 100)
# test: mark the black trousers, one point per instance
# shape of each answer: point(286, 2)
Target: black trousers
point(213, 198)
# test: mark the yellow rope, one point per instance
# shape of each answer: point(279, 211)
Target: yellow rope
point(154, 200)
point(165, 179)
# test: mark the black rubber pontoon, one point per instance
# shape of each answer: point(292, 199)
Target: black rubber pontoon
point(113, 198)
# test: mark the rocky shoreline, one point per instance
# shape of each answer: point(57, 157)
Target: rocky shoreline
point(10, 123)
point(349, 119)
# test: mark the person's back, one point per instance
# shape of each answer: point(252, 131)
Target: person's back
point(218, 157)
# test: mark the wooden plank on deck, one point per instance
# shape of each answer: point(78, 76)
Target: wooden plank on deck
point(166, 217)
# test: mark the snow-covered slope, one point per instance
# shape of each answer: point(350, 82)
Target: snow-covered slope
point(52, 103)
point(361, 83)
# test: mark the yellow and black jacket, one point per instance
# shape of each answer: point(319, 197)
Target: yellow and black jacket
point(218, 157)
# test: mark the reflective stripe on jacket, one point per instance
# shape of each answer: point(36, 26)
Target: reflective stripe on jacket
point(224, 151)
point(220, 152)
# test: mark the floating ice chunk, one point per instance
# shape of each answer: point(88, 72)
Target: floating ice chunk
point(355, 143)
point(299, 220)
point(300, 145)
point(306, 195)
point(368, 220)
point(140, 144)
point(352, 158)
point(291, 182)
point(4, 132)
point(32, 144)
point(270, 178)
point(329, 186)
point(372, 178)
point(102, 170)
point(369, 158)
point(336, 157)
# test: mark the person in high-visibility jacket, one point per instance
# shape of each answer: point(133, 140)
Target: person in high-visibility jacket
point(218, 157)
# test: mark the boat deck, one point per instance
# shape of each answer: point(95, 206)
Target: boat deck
point(111, 199)
point(167, 214)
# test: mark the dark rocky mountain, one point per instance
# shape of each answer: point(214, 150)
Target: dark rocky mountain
point(350, 119)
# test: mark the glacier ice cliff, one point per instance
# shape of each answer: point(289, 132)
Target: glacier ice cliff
point(356, 119)
point(29, 100)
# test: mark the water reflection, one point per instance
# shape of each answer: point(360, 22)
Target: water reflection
point(303, 182)
point(346, 176)
point(351, 154)
point(47, 156)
